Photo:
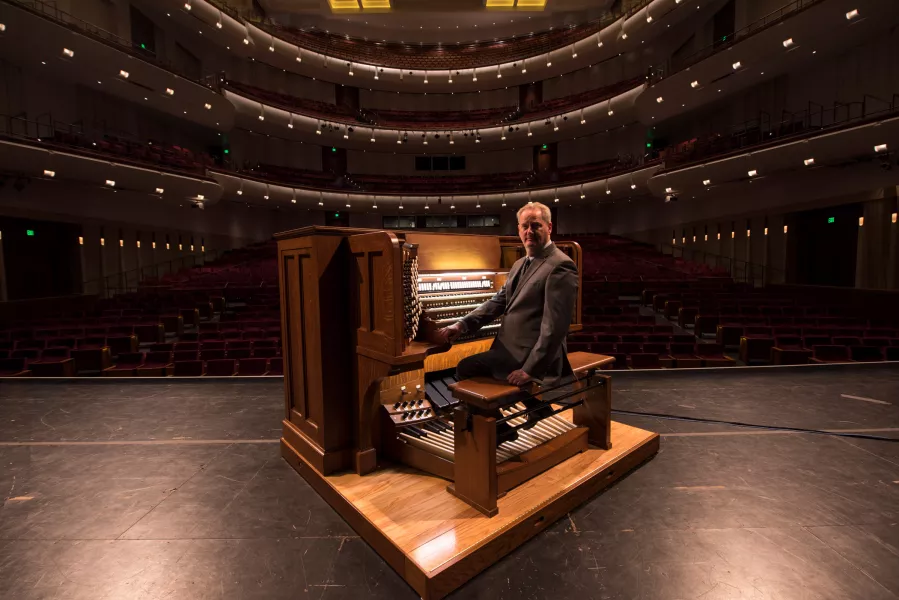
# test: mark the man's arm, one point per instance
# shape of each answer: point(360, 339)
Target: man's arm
point(558, 304)
point(482, 315)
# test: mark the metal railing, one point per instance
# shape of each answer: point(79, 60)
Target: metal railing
point(131, 280)
point(589, 28)
point(677, 64)
point(740, 271)
point(761, 130)
point(51, 11)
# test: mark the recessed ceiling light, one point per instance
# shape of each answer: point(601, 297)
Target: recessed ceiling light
point(160, 190)
point(808, 162)
point(880, 148)
point(265, 196)
point(706, 182)
point(788, 42)
point(694, 84)
point(218, 24)
point(852, 14)
point(69, 53)
point(752, 173)
point(649, 18)
point(170, 91)
point(737, 65)
point(201, 197)
point(240, 192)
point(110, 183)
point(2, 27)
point(49, 173)
point(207, 106)
point(187, 6)
point(660, 99)
point(611, 112)
point(668, 190)
point(124, 73)
point(246, 41)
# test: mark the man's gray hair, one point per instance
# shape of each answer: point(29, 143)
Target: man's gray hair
point(545, 213)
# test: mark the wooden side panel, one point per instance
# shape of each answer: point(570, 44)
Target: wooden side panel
point(377, 291)
point(440, 252)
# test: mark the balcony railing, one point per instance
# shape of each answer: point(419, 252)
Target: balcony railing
point(678, 64)
point(740, 270)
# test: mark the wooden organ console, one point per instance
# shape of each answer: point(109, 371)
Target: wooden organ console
point(369, 391)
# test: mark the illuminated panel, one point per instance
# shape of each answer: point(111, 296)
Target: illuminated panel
point(343, 5)
point(367, 4)
point(500, 3)
point(531, 3)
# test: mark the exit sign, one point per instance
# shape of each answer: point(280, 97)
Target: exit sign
point(29, 232)
point(831, 219)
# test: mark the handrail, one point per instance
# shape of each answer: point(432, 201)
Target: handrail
point(50, 11)
point(741, 271)
point(268, 25)
point(752, 133)
point(673, 66)
point(121, 282)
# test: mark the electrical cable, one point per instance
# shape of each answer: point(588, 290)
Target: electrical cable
point(862, 436)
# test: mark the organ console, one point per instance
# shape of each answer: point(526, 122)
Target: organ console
point(368, 386)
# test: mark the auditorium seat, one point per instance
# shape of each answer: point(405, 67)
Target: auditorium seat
point(729, 335)
point(846, 340)
point(644, 360)
point(880, 342)
point(164, 347)
point(684, 356)
point(181, 346)
point(91, 360)
point(54, 362)
point(891, 353)
point(239, 353)
point(756, 349)
point(810, 341)
point(712, 355)
point(248, 367)
point(790, 355)
point(14, 367)
point(686, 316)
point(223, 367)
point(238, 344)
point(126, 365)
point(121, 344)
point(188, 368)
point(276, 366)
point(29, 354)
point(859, 353)
point(265, 352)
point(830, 354)
point(156, 364)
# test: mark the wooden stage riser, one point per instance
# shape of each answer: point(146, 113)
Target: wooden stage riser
point(449, 542)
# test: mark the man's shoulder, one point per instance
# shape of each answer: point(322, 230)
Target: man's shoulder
point(557, 257)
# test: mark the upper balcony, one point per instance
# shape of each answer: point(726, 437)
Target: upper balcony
point(421, 68)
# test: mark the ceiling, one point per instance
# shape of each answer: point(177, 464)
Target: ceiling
point(431, 21)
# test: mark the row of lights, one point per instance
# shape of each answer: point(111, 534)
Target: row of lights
point(111, 183)
point(152, 244)
point(808, 162)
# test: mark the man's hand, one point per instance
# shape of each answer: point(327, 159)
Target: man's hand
point(449, 334)
point(518, 377)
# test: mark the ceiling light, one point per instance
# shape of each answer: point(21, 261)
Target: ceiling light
point(694, 84)
point(895, 215)
point(110, 183)
point(861, 221)
point(240, 192)
point(649, 18)
point(265, 196)
point(160, 190)
point(348, 206)
point(124, 73)
point(808, 162)
point(427, 207)
point(218, 24)
point(668, 190)
point(660, 99)
point(290, 125)
point(201, 197)
point(262, 117)
point(574, 55)
point(608, 192)
point(169, 92)
point(2, 27)
point(788, 42)
point(300, 59)
point(706, 182)
point(737, 65)
point(611, 112)
point(207, 106)
point(752, 173)
point(49, 173)
point(880, 148)
point(67, 52)
point(633, 186)
point(246, 41)
point(852, 14)
point(624, 36)
point(452, 207)
point(187, 6)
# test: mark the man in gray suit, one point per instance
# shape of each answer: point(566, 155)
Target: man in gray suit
point(536, 304)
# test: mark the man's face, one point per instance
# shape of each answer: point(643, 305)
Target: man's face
point(533, 231)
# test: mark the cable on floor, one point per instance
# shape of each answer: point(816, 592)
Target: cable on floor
point(862, 436)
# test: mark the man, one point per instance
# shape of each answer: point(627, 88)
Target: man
point(536, 304)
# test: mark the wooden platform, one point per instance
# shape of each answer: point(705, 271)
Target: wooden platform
point(437, 542)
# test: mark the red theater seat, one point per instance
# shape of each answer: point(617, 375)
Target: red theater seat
point(126, 365)
point(188, 368)
point(156, 364)
point(831, 354)
point(14, 367)
point(866, 353)
point(224, 367)
point(247, 367)
point(645, 361)
point(275, 366)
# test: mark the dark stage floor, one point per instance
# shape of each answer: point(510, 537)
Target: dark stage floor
point(177, 490)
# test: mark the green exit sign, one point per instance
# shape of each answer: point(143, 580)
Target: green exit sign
point(29, 232)
point(337, 215)
point(831, 219)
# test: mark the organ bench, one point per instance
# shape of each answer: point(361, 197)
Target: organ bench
point(376, 422)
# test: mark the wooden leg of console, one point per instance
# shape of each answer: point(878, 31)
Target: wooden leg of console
point(474, 478)
point(596, 414)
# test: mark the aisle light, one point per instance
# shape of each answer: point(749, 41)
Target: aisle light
point(121, 243)
point(351, 70)
point(2, 27)
point(766, 231)
point(733, 234)
point(290, 121)
point(598, 41)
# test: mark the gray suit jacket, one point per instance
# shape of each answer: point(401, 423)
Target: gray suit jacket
point(536, 311)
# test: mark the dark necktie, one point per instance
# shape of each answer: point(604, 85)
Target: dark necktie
point(520, 275)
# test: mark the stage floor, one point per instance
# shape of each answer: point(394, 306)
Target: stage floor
point(177, 490)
